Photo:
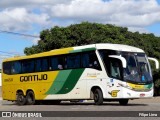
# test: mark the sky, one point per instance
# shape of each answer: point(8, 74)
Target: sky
point(33, 16)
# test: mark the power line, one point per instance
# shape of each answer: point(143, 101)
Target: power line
point(11, 53)
point(5, 56)
point(21, 34)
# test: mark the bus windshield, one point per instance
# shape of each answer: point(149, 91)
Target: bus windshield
point(137, 69)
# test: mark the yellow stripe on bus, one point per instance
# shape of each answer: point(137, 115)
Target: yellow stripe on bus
point(50, 53)
point(136, 86)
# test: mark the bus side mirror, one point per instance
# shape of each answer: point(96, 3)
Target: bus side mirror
point(156, 62)
point(123, 60)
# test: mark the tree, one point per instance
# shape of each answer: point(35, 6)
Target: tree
point(89, 33)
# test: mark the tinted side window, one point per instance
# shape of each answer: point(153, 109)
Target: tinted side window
point(38, 65)
point(106, 59)
point(16, 67)
point(90, 60)
point(85, 60)
point(54, 63)
point(44, 64)
point(73, 61)
point(115, 68)
point(7, 67)
point(57, 63)
point(27, 66)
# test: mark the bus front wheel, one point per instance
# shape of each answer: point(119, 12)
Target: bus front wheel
point(98, 97)
point(123, 101)
point(30, 98)
point(21, 100)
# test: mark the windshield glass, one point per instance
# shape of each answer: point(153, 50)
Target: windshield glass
point(137, 69)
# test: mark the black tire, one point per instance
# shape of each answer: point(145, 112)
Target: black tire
point(98, 97)
point(21, 100)
point(123, 101)
point(30, 98)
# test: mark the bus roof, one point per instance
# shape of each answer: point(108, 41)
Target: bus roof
point(109, 46)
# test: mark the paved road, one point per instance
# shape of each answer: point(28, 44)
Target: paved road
point(0, 92)
point(134, 105)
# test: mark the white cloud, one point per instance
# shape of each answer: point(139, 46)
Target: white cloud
point(119, 12)
point(29, 3)
point(18, 15)
point(138, 29)
point(22, 15)
point(35, 41)
point(21, 19)
point(135, 20)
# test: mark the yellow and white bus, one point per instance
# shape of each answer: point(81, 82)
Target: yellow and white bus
point(102, 72)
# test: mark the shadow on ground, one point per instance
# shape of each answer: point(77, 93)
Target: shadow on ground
point(63, 103)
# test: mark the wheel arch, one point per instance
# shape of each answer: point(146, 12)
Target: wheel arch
point(21, 90)
point(29, 90)
point(32, 91)
point(93, 88)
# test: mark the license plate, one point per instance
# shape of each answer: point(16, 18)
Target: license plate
point(142, 95)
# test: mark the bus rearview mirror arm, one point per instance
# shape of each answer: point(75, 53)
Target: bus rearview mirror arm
point(156, 62)
point(123, 60)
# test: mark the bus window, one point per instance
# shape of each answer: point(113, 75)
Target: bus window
point(37, 65)
point(57, 63)
point(73, 61)
point(54, 63)
point(44, 64)
point(27, 66)
point(16, 67)
point(7, 67)
point(106, 60)
point(89, 60)
point(85, 60)
point(115, 68)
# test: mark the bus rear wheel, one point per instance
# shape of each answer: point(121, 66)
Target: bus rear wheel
point(30, 98)
point(123, 101)
point(98, 97)
point(21, 100)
